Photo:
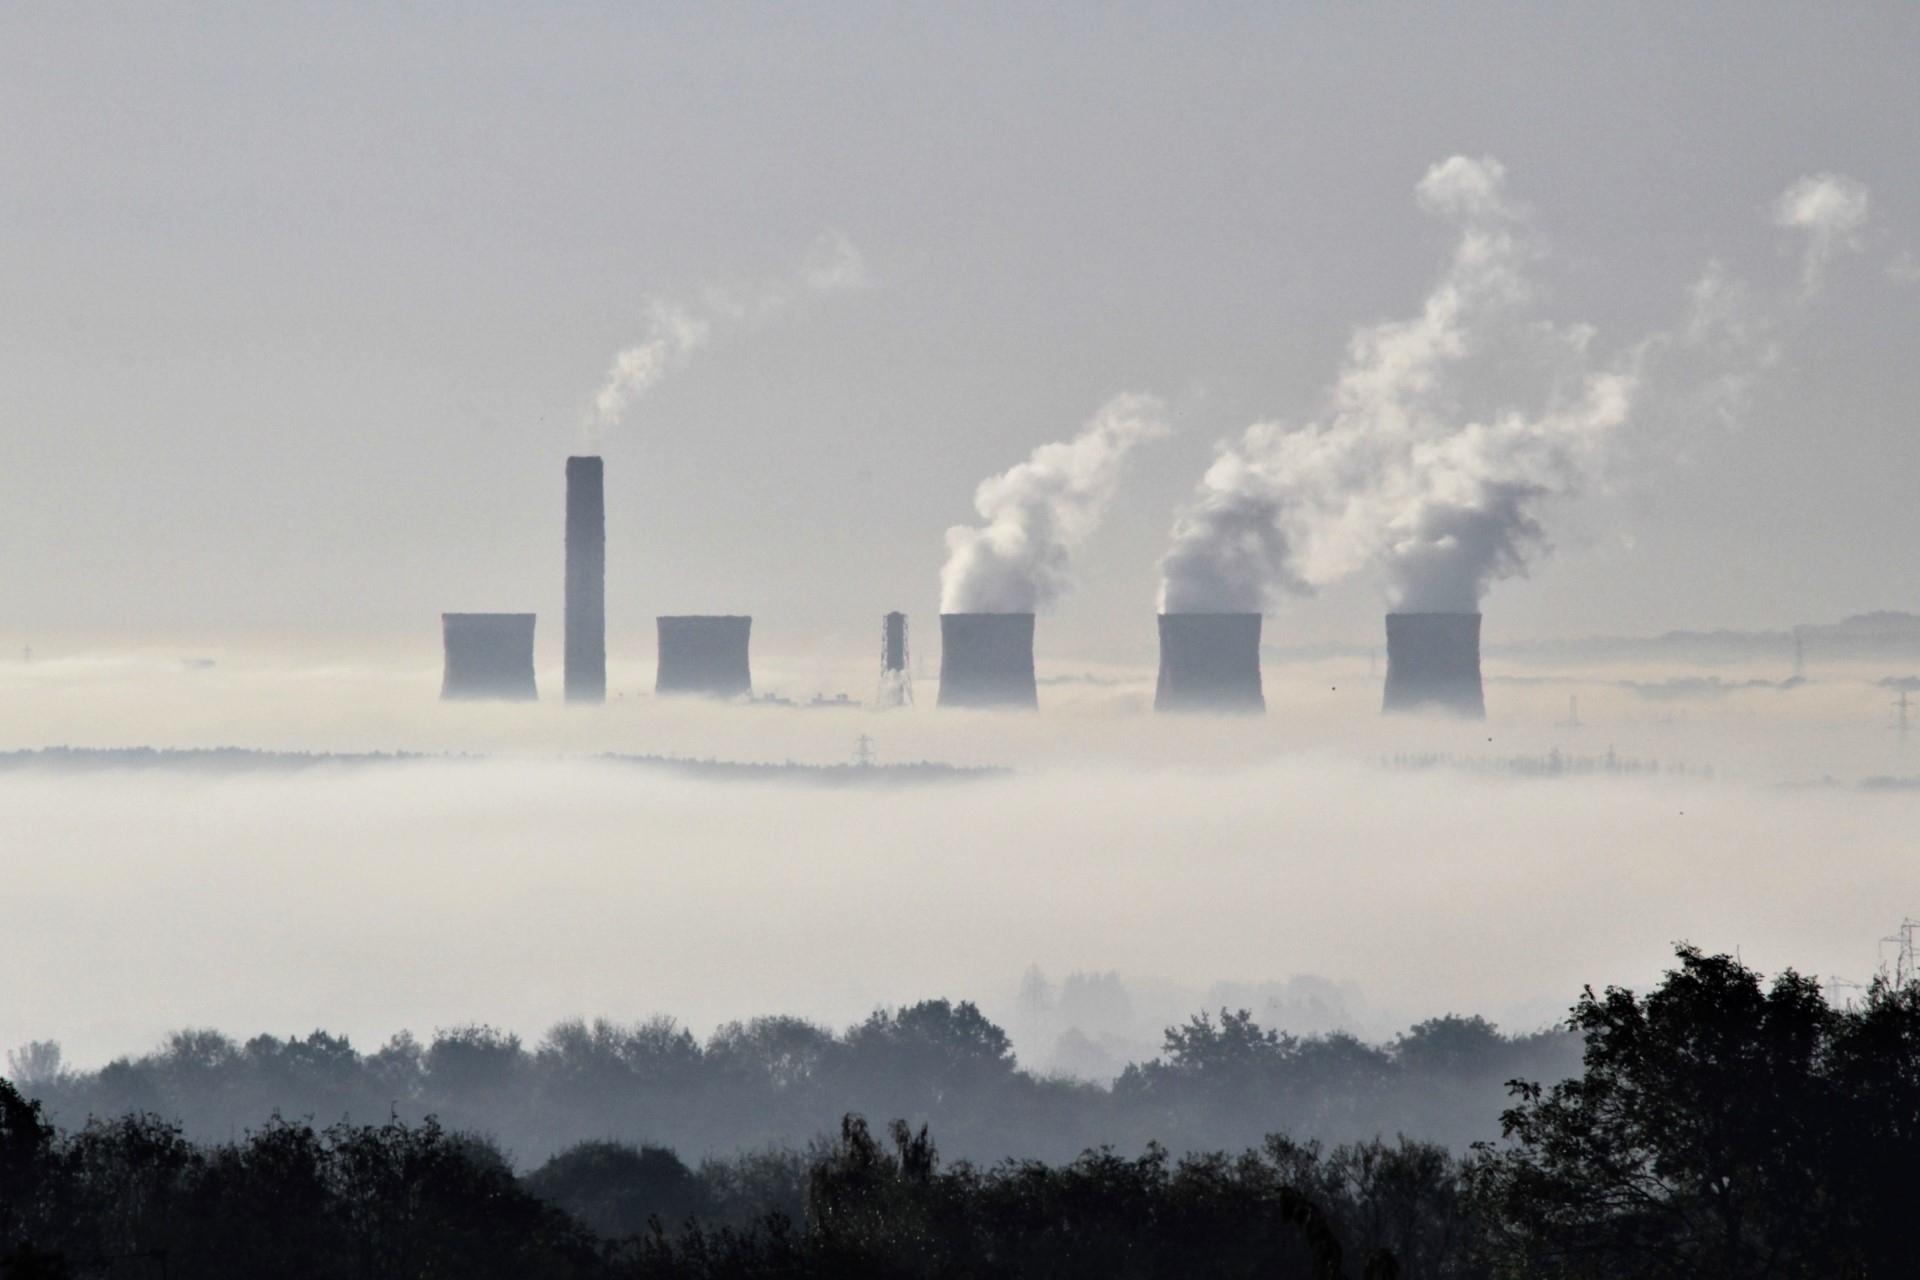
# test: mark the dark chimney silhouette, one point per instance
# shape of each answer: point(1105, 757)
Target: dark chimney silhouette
point(586, 622)
point(986, 660)
point(705, 655)
point(1209, 662)
point(1433, 664)
point(893, 644)
point(489, 655)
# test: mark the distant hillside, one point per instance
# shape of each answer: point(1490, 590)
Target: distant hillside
point(1883, 635)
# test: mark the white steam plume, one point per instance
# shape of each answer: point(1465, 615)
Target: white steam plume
point(1832, 210)
point(675, 332)
point(1705, 367)
point(1406, 471)
point(1040, 511)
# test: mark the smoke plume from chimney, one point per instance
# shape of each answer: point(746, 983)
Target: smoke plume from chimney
point(1019, 561)
point(676, 330)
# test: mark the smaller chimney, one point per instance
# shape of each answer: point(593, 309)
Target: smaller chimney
point(893, 644)
point(1433, 664)
point(1210, 662)
point(489, 656)
point(705, 655)
point(896, 682)
point(986, 660)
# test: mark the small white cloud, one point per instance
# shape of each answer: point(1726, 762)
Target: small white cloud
point(835, 266)
point(1831, 210)
point(1463, 187)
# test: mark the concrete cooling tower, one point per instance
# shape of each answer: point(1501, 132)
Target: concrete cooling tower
point(705, 655)
point(1433, 664)
point(986, 660)
point(586, 644)
point(489, 655)
point(1209, 662)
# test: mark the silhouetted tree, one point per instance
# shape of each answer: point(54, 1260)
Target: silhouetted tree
point(1722, 1128)
point(26, 1154)
point(615, 1189)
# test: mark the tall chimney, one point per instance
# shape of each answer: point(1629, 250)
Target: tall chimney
point(893, 644)
point(1210, 662)
point(586, 667)
point(489, 655)
point(1433, 664)
point(986, 660)
point(705, 655)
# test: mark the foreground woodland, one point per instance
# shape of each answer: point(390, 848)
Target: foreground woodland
point(1719, 1125)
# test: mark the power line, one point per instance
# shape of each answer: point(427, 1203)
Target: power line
point(1906, 955)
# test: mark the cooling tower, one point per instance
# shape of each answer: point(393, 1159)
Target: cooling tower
point(704, 655)
point(986, 660)
point(1209, 662)
point(489, 655)
point(1433, 664)
point(586, 678)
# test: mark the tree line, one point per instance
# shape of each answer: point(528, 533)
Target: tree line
point(779, 1081)
point(1717, 1126)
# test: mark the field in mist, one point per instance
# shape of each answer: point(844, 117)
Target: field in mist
point(1320, 864)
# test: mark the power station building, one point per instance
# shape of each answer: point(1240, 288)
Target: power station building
point(1433, 664)
point(1210, 662)
point(488, 656)
point(705, 655)
point(986, 661)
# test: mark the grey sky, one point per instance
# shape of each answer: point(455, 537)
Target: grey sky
point(303, 306)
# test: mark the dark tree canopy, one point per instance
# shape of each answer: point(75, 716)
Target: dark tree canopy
point(1719, 1126)
point(1723, 1127)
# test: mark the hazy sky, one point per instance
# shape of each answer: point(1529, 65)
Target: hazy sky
point(303, 304)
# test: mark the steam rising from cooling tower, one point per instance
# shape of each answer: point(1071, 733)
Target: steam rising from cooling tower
point(488, 656)
point(1426, 464)
point(675, 330)
point(705, 655)
point(1038, 513)
point(1433, 664)
point(1209, 662)
point(1446, 433)
point(986, 661)
point(586, 616)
